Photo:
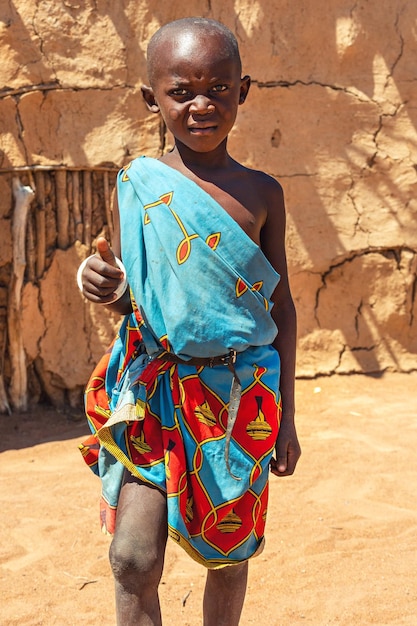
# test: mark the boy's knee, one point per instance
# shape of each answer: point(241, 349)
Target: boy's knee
point(231, 575)
point(132, 559)
point(236, 571)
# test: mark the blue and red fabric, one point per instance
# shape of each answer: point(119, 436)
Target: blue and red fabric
point(200, 287)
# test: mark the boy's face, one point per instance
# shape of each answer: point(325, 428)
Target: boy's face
point(197, 88)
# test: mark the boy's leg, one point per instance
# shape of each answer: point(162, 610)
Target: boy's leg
point(137, 553)
point(224, 595)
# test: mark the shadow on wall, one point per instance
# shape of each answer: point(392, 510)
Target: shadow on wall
point(339, 132)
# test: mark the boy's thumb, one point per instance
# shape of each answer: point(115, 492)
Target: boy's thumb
point(106, 252)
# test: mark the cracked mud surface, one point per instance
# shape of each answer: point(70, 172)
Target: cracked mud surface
point(330, 114)
point(341, 533)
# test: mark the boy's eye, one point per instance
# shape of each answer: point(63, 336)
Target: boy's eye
point(179, 92)
point(218, 88)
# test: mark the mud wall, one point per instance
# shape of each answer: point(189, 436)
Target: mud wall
point(331, 113)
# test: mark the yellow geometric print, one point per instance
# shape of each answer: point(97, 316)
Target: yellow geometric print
point(106, 413)
point(259, 429)
point(204, 414)
point(241, 287)
point(84, 449)
point(167, 458)
point(229, 524)
point(140, 444)
point(125, 177)
point(165, 198)
point(213, 240)
point(184, 247)
point(189, 513)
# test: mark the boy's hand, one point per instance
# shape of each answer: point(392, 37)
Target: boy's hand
point(287, 450)
point(101, 275)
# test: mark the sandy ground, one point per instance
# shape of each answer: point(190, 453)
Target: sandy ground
point(341, 534)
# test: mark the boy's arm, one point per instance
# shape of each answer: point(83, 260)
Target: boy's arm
point(101, 275)
point(284, 315)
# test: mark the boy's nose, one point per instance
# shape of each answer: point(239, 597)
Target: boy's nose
point(201, 104)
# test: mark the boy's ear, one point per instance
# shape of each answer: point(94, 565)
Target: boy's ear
point(244, 88)
point(149, 97)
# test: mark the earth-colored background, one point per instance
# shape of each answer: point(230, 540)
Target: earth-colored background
point(331, 113)
point(341, 533)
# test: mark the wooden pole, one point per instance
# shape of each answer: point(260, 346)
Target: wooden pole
point(62, 209)
point(30, 250)
point(23, 196)
point(40, 224)
point(78, 218)
point(108, 204)
point(88, 207)
point(4, 402)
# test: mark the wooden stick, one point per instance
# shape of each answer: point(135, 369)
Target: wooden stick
point(70, 200)
point(62, 209)
point(30, 250)
point(18, 387)
point(40, 224)
point(87, 209)
point(4, 402)
point(107, 204)
point(78, 218)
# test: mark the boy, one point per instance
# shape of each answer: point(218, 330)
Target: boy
point(186, 407)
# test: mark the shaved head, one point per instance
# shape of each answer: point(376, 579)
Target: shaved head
point(184, 32)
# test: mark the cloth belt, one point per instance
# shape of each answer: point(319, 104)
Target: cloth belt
point(235, 390)
point(212, 361)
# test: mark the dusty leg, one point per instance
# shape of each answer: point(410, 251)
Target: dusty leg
point(224, 595)
point(137, 553)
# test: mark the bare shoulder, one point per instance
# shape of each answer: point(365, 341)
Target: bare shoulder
point(268, 190)
point(272, 234)
point(268, 186)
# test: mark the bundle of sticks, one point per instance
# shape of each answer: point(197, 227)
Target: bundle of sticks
point(56, 208)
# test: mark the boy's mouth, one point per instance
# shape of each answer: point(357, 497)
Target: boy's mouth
point(202, 129)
